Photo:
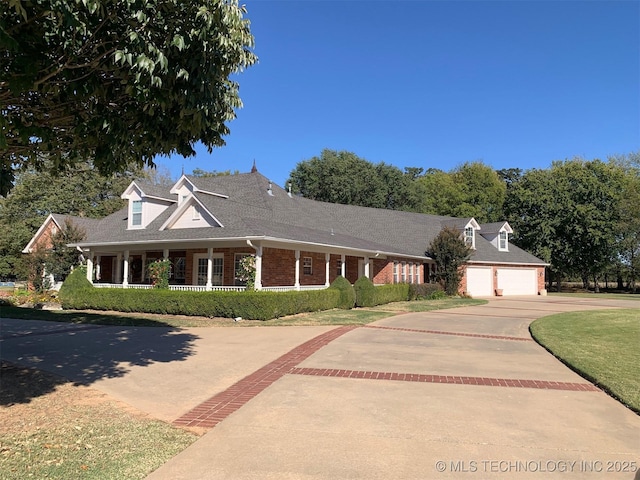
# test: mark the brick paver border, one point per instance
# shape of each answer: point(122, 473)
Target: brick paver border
point(211, 412)
point(458, 334)
point(214, 410)
point(454, 379)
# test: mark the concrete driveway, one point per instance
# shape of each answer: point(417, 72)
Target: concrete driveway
point(461, 393)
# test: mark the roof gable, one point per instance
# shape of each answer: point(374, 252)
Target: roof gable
point(191, 213)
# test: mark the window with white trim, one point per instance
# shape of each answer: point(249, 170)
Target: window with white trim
point(338, 267)
point(307, 265)
point(395, 272)
point(410, 273)
point(403, 272)
point(502, 240)
point(136, 213)
point(469, 237)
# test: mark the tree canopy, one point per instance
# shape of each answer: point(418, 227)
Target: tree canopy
point(82, 192)
point(116, 81)
point(343, 177)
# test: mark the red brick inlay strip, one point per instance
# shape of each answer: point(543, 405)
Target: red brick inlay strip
point(458, 334)
point(211, 412)
point(418, 377)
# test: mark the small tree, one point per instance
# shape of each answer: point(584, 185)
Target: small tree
point(60, 258)
point(246, 272)
point(159, 273)
point(450, 253)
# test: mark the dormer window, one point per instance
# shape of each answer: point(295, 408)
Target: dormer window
point(469, 237)
point(503, 241)
point(136, 213)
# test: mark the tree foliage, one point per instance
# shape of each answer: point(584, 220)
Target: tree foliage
point(82, 192)
point(569, 215)
point(343, 177)
point(61, 259)
point(450, 253)
point(471, 190)
point(116, 81)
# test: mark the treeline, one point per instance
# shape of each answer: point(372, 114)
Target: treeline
point(581, 216)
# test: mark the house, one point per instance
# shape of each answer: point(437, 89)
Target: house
point(205, 225)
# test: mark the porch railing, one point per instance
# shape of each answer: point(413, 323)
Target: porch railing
point(202, 288)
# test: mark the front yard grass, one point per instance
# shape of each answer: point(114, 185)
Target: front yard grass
point(356, 316)
point(602, 346)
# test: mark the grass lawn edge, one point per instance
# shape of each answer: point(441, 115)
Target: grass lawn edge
point(580, 371)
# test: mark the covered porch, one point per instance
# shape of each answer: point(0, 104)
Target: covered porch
point(214, 266)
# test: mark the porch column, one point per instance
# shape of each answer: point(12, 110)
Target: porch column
point(343, 266)
point(125, 269)
point(327, 264)
point(258, 279)
point(143, 258)
point(297, 282)
point(165, 254)
point(118, 277)
point(98, 267)
point(90, 266)
point(367, 268)
point(209, 268)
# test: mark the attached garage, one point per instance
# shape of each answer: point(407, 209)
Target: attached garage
point(518, 281)
point(479, 281)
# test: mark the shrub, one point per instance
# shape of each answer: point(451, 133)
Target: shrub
point(426, 291)
point(347, 299)
point(159, 273)
point(365, 292)
point(391, 293)
point(249, 304)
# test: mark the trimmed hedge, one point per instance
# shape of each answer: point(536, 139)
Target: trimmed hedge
point(77, 293)
point(426, 291)
point(250, 304)
point(391, 293)
point(347, 298)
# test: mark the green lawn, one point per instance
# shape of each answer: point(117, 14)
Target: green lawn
point(600, 345)
point(357, 316)
point(610, 296)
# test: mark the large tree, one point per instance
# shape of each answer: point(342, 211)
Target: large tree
point(473, 189)
point(343, 177)
point(116, 81)
point(82, 192)
point(569, 215)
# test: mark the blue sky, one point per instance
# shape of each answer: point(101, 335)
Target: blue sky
point(434, 84)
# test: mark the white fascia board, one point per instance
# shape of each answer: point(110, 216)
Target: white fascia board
point(196, 189)
point(152, 243)
point(525, 264)
point(506, 228)
point(325, 246)
point(181, 209)
point(181, 181)
point(129, 190)
point(473, 224)
point(29, 247)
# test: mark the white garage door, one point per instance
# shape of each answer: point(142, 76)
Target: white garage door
point(518, 281)
point(479, 282)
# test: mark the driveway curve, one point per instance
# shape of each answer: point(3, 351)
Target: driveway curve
point(463, 393)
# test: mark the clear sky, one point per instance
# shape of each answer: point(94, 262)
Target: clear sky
point(434, 84)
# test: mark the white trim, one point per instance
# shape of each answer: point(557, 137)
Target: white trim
point(175, 216)
point(183, 179)
point(29, 247)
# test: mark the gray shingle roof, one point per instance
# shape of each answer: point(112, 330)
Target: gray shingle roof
point(250, 211)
